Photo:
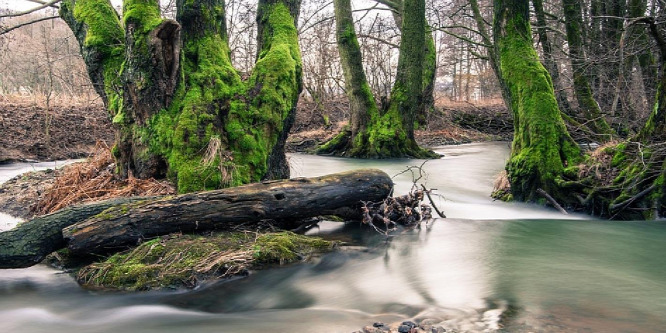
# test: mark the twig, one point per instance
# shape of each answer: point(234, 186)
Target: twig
point(552, 201)
point(632, 199)
point(427, 192)
point(6, 30)
point(44, 5)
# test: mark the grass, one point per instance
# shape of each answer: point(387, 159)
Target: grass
point(177, 261)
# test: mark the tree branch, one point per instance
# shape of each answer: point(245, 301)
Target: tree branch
point(44, 5)
point(7, 30)
point(379, 40)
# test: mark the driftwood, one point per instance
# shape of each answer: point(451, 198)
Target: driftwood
point(116, 224)
point(30, 242)
point(126, 225)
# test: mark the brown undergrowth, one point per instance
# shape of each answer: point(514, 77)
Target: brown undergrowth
point(599, 166)
point(95, 180)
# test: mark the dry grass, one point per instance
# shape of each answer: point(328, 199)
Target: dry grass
point(445, 102)
point(39, 99)
point(599, 166)
point(177, 260)
point(95, 180)
point(501, 182)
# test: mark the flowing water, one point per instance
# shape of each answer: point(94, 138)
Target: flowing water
point(543, 273)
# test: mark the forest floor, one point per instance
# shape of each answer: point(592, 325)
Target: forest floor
point(34, 133)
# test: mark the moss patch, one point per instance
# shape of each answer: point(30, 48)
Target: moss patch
point(286, 247)
point(178, 261)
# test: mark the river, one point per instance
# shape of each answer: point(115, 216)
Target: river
point(546, 271)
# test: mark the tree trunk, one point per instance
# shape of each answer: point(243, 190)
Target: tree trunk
point(493, 56)
point(28, 243)
point(115, 224)
point(429, 65)
point(541, 146)
point(646, 60)
point(608, 65)
point(591, 111)
point(126, 225)
point(373, 134)
point(548, 58)
point(181, 110)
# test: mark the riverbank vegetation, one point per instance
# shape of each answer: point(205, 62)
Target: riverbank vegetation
point(204, 95)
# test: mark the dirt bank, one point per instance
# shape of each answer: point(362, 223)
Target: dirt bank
point(450, 123)
point(30, 132)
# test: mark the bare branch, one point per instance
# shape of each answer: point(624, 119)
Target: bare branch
point(463, 38)
point(7, 30)
point(44, 5)
point(379, 40)
point(394, 5)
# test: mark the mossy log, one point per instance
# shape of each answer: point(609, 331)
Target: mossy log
point(30, 242)
point(127, 225)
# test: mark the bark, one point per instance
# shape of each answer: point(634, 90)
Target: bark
point(180, 108)
point(608, 65)
point(126, 225)
point(429, 65)
point(493, 56)
point(646, 60)
point(541, 145)
point(98, 30)
point(28, 244)
point(548, 58)
point(388, 133)
point(591, 111)
point(655, 127)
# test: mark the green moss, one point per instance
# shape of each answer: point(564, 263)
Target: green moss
point(104, 31)
point(541, 146)
point(101, 36)
point(185, 260)
point(254, 127)
point(619, 155)
point(212, 101)
point(287, 247)
point(144, 14)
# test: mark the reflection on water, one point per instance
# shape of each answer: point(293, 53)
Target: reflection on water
point(558, 275)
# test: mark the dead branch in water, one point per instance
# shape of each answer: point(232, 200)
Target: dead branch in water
point(406, 210)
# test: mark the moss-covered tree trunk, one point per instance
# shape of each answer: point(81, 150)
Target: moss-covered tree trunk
point(591, 111)
point(180, 108)
point(541, 147)
point(493, 56)
point(548, 58)
point(429, 65)
point(646, 60)
point(372, 133)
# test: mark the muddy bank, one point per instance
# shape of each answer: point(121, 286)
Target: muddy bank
point(30, 132)
point(449, 124)
point(20, 195)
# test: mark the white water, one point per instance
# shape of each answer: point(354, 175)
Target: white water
point(575, 276)
point(9, 171)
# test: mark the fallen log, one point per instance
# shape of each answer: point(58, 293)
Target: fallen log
point(30, 242)
point(127, 225)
